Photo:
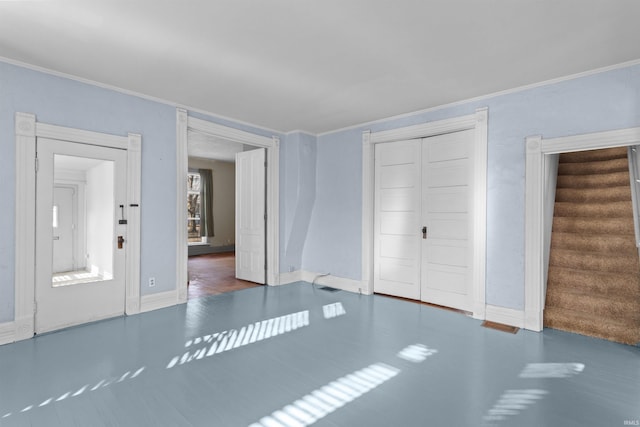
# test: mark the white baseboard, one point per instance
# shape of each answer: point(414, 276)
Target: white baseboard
point(290, 277)
point(159, 300)
point(506, 316)
point(7, 332)
point(317, 278)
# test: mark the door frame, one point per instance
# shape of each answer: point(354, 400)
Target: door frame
point(27, 130)
point(538, 153)
point(184, 124)
point(476, 121)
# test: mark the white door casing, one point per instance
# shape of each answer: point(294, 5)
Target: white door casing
point(186, 124)
point(250, 215)
point(26, 130)
point(477, 122)
point(397, 219)
point(447, 212)
point(104, 295)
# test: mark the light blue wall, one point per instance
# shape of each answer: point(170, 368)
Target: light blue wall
point(65, 102)
point(298, 175)
point(320, 188)
point(600, 102)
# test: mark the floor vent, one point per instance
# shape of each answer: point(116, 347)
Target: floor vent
point(500, 327)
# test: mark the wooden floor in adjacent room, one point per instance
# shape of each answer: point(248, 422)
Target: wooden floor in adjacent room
point(296, 355)
point(214, 274)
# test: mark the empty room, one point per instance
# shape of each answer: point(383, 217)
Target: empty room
point(291, 213)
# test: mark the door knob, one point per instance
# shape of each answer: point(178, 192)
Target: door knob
point(120, 242)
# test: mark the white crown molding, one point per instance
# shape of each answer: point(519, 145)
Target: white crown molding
point(134, 93)
point(346, 128)
point(488, 96)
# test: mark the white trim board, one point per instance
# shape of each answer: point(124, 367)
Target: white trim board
point(336, 282)
point(186, 124)
point(7, 332)
point(158, 300)
point(27, 129)
point(538, 151)
point(477, 121)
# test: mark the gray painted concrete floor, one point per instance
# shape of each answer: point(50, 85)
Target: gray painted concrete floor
point(297, 355)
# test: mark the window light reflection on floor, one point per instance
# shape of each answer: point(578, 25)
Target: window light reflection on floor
point(321, 402)
point(69, 394)
point(333, 310)
point(228, 340)
point(551, 370)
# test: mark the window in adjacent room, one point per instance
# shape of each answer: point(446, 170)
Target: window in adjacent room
point(193, 207)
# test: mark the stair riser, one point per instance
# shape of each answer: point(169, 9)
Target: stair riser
point(592, 168)
point(622, 209)
point(623, 245)
point(614, 179)
point(588, 195)
point(622, 285)
point(626, 334)
point(594, 155)
point(577, 261)
point(599, 226)
point(618, 309)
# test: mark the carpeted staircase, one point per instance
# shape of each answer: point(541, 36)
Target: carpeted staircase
point(593, 286)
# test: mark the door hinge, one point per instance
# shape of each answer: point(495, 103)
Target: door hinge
point(265, 217)
point(37, 164)
point(35, 307)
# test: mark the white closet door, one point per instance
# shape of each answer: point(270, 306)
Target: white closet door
point(397, 219)
point(447, 212)
point(250, 215)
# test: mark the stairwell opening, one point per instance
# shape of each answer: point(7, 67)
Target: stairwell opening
point(593, 277)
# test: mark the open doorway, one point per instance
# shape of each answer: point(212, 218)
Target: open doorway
point(271, 146)
point(541, 155)
point(211, 215)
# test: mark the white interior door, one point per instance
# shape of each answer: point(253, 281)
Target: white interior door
point(447, 212)
point(98, 290)
point(423, 222)
point(397, 219)
point(251, 215)
point(64, 220)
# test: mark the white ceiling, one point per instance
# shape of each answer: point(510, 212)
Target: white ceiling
point(319, 65)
